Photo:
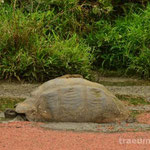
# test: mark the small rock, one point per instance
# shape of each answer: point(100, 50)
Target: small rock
point(130, 120)
point(2, 115)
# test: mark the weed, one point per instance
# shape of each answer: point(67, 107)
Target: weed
point(9, 102)
point(133, 100)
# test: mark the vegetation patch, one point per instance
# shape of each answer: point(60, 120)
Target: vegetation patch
point(9, 102)
point(48, 38)
point(134, 113)
point(133, 100)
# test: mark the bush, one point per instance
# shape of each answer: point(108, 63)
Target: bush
point(47, 38)
point(123, 44)
point(28, 52)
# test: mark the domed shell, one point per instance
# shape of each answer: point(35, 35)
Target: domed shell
point(73, 100)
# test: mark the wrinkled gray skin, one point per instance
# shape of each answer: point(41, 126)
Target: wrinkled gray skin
point(72, 100)
point(12, 114)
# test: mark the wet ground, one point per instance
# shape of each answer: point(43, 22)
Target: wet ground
point(121, 86)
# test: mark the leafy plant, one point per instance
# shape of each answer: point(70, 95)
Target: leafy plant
point(28, 51)
point(123, 44)
point(42, 39)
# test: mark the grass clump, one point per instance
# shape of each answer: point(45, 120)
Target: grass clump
point(28, 51)
point(133, 100)
point(124, 43)
point(135, 113)
point(9, 102)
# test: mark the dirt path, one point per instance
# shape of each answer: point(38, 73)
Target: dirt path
point(23, 90)
point(143, 91)
point(25, 136)
point(18, 90)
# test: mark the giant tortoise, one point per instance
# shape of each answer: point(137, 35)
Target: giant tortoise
point(72, 99)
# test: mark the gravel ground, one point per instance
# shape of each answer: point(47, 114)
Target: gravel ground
point(94, 127)
point(17, 90)
point(143, 91)
point(141, 123)
point(23, 90)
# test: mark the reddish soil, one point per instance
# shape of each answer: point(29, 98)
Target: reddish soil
point(28, 136)
point(144, 118)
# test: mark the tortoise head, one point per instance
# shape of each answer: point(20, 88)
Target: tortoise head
point(10, 113)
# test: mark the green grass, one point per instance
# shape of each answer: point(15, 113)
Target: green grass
point(28, 51)
point(123, 44)
point(9, 102)
point(46, 39)
point(133, 100)
point(135, 113)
